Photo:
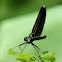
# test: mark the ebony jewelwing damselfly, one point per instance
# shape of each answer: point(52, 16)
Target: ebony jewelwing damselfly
point(36, 31)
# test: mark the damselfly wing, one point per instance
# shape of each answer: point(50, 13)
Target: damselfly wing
point(39, 24)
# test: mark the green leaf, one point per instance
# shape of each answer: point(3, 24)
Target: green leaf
point(46, 60)
point(48, 56)
point(12, 53)
point(44, 52)
point(52, 52)
point(26, 58)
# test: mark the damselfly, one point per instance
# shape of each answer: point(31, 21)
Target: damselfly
point(36, 31)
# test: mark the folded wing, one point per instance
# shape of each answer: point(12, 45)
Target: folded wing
point(39, 24)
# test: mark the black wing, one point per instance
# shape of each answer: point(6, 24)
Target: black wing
point(39, 24)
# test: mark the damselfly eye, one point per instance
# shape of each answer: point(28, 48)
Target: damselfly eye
point(25, 39)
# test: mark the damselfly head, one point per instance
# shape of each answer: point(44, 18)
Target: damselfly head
point(25, 39)
point(29, 39)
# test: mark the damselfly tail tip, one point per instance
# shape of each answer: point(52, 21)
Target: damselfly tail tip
point(43, 6)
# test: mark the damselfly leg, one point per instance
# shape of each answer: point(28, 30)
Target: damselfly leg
point(43, 37)
point(23, 48)
point(19, 45)
point(38, 50)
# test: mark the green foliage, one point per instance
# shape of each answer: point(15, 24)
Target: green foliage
point(26, 58)
point(12, 53)
point(46, 56)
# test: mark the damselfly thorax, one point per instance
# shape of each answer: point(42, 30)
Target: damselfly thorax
point(30, 38)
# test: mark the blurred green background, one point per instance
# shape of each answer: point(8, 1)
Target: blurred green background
point(11, 8)
point(17, 18)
